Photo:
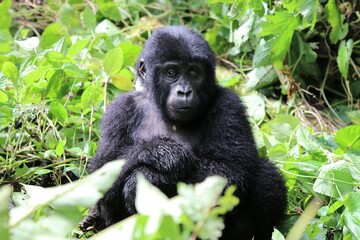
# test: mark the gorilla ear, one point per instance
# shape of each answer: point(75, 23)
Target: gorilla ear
point(142, 70)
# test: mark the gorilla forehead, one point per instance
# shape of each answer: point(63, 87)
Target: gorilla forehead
point(177, 43)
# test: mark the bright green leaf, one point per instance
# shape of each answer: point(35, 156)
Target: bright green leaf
point(109, 10)
point(123, 80)
point(6, 18)
point(343, 58)
point(351, 214)
point(68, 17)
point(77, 47)
point(54, 85)
point(72, 70)
point(339, 30)
point(349, 138)
point(10, 71)
point(51, 35)
point(281, 26)
point(5, 192)
point(59, 111)
point(5, 41)
point(60, 46)
point(92, 95)
point(89, 19)
point(354, 116)
point(60, 148)
point(56, 57)
point(113, 61)
point(3, 97)
point(130, 52)
point(220, 1)
point(309, 9)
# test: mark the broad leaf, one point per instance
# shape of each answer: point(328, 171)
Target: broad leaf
point(339, 30)
point(349, 138)
point(351, 214)
point(343, 58)
point(59, 111)
point(5, 192)
point(113, 61)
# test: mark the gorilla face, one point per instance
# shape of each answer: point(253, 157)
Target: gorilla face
point(184, 81)
point(177, 67)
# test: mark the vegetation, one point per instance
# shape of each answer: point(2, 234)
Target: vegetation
point(296, 64)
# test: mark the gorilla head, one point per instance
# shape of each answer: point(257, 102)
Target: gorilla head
point(180, 81)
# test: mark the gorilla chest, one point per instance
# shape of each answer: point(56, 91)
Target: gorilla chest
point(153, 126)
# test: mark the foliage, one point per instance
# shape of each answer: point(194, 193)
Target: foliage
point(45, 213)
point(295, 63)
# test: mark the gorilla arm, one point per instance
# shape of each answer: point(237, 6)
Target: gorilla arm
point(162, 161)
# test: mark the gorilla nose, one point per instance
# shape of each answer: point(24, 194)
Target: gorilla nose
point(184, 93)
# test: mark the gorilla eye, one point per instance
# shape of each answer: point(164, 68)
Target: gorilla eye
point(193, 73)
point(171, 73)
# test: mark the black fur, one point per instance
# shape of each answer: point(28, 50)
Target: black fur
point(216, 139)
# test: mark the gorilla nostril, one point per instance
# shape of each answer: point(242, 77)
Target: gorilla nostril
point(188, 93)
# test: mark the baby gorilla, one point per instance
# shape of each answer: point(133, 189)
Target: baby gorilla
point(184, 127)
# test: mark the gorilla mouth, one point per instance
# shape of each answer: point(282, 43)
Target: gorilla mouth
point(182, 108)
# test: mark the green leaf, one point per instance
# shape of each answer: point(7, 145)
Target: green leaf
point(5, 192)
point(3, 97)
point(130, 52)
point(351, 214)
point(59, 111)
point(11, 72)
point(349, 138)
point(281, 26)
point(72, 70)
point(5, 41)
point(260, 77)
point(54, 85)
point(89, 19)
point(123, 80)
point(77, 47)
point(109, 10)
point(60, 148)
point(210, 2)
point(5, 22)
point(67, 203)
point(309, 9)
point(113, 61)
point(60, 46)
point(334, 180)
point(343, 58)
point(339, 30)
point(263, 53)
point(354, 116)
point(68, 17)
point(93, 94)
point(42, 171)
point(51, 35)
point(56, 57)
